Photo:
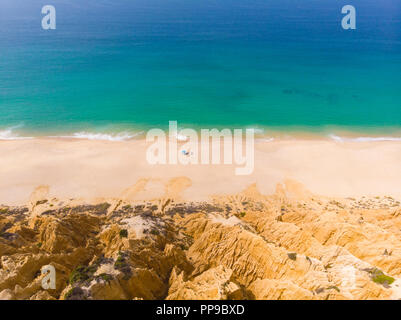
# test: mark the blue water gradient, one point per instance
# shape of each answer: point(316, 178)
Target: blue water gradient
point(115, 65)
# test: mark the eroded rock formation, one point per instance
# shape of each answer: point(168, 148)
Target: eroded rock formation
point(290, 245)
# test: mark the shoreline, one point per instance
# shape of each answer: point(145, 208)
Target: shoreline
point(94, 169)
point(299, 136)
point(117, 132)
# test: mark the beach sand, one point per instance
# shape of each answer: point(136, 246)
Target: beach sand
point(87, 169)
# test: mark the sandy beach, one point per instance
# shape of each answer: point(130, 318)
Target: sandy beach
point(87, 169)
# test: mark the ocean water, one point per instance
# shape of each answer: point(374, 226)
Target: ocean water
point(114, 68)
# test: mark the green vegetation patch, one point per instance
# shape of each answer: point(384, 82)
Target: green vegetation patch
point(183, 247)
point(122, 265)
point(155, 232)
point(75, 293)
point(82, 273)
point(333, 287)
point(120, 262)
point(123, 233)
point(379, 277)
point(102, 208)
point(69, 294)
point(105, 277)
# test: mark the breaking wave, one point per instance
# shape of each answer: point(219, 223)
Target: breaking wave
point(122, 136)
point(363, 139)
point(10, 134)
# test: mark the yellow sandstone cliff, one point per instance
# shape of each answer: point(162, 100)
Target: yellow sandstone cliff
point(289, 245)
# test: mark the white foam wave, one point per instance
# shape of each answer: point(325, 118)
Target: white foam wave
point(9, 134)
point(181, 137)
point(257, 131)
point(265, 139)
point(122, 136)
point(363, 139)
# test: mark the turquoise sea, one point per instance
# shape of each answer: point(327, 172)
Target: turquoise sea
point(118, 67)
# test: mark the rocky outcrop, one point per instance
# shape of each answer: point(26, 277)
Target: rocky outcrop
point(289, 245)
point(213, 284)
